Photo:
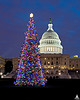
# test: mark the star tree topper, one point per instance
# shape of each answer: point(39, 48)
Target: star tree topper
point(31, 15)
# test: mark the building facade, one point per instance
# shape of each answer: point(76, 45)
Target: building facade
point(74, 63)
point(55, 65)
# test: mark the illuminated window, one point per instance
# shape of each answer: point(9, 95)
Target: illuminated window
point(58, 49)
point(55, 49)
point(48, 63)
point(45, 48)
point(48, 48)
point(51, 48)
point(77, 71)
point(48, 66)
point(45, 67)
point(51, 72)
point(47, 72)
point(45, 58)
point(52, 67)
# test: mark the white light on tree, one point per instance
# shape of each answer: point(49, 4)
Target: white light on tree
point(31, 15)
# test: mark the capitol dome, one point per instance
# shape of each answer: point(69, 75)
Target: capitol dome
point(50, 35)
point(50, 42)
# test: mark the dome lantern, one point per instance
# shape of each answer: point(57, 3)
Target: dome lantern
point(50, 21)
point(50, 26)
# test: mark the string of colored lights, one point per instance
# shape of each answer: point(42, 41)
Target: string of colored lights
point(29, 71)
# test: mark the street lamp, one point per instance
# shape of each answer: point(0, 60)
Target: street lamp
point(77, 98)
point(59, 73)
point(77, 71)
point(1, 74)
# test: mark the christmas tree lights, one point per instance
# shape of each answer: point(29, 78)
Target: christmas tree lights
point(29, 71)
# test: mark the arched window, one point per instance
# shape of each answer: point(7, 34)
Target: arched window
point(51, 72)
point(65, 63)
point(45, 63)
point(56, 62)
point(51, 63)
point(8, 66)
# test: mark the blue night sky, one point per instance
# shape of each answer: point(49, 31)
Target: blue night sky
point(14, 16)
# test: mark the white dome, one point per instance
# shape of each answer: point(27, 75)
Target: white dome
point(50, 42)
point(50, 35)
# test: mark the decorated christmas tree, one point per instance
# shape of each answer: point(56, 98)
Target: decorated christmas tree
point(29, 71)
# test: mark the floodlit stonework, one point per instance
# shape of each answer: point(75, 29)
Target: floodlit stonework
point(2, 64)
point(55, 65)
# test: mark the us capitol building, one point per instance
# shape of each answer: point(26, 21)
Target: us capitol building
point(55, 63)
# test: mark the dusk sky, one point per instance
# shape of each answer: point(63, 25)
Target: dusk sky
point(14, 17)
